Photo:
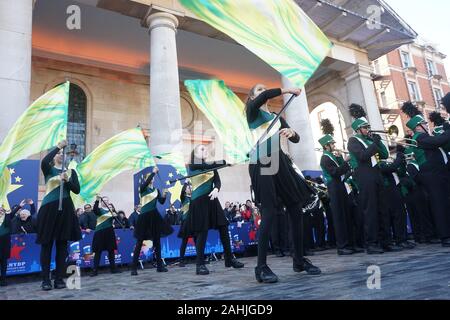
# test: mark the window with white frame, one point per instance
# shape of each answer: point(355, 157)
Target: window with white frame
point(413, 91)
point(406, 59)
point(438, 97)
point(431, 68)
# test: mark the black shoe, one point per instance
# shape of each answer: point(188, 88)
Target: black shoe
point(357, 250)
point(94, 273)
point(433, 241)
point(279, 254)
point(320, 249)
point(374, 250)
point(446, 243)
point(46, 285)
point(308, 267)
point(59, 284)
point(115, 271)
point(263, 274)
point(161, 268)
point(308, 253)
point(288, 254)
point(392, 248)
point(3, 283)
point(202, 270)
point(234, 263)
point(406, 245)
point(182, 264)
point(134, 272)
point(345, 252)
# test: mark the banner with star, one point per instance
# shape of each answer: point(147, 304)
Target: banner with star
point(175, 159)
point(126, 151)
point(20, 181)
point(278, 32)
point(226, 112)
point(40, 127)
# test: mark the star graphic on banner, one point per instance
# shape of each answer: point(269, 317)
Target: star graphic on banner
point(175, 192)
point(18, 179)
point(171, 175)
point(167, 183)
point(11, 188)
point(15, 252)
point(178, 172)
point(12, 171)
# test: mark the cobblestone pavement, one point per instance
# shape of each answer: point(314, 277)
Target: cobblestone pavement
point(423, 273)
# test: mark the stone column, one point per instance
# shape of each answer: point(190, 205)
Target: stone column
point(165, 108)
point(360, 90)
point(297, 116)
point(15, 60)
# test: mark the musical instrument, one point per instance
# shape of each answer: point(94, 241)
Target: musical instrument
point(392, 134)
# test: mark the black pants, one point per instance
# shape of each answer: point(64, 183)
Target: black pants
point(3, 267)
point(111, 258)
point(61, 257)
point(307, 236)
point(357, 221)
point(318, 228)
point(200, 243)
point(396, 214)
point(419, 214)
point(295, 220)
point(341, 213)
point(279, 237)
point(156, 252)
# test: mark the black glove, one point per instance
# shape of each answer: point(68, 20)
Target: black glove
point(376, 139)
point(446, 126)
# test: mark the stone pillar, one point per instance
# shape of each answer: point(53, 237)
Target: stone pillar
point(297, 116)
point(360, 90)
point(165, 108)
point(15, 60)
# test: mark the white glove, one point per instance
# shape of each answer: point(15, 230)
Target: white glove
point(214, 194)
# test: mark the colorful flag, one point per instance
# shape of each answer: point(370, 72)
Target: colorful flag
point(5, 182)
point(125, 151)
point(278, 32)
point(226, 112)
point(39, 128)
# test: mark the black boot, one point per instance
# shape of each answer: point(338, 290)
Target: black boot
point(202, 270)
point(115, 270)
point(46, 285)
point(233, 263)
point(160, 267)
point(263, 274)
point(392, 248)
point(182, 263)
point(94, 273)
point(374, 250)
point(307, 266)
point(345, 252)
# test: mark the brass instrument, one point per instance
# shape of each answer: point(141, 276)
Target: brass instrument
point(335, 150)
point(392, 134)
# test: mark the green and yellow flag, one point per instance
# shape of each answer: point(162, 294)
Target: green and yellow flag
point(174, 159)
point(5, 182)
point(226, 112)
point(40, 127)
point(277, 31)
point(126, 151)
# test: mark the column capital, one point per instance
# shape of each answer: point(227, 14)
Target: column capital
point(162, 19)
point(357, 71)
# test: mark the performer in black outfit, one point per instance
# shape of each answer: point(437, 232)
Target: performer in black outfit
point(273, 175)
point(432, 161)
point(205, 211)
point(365, 153)
point(104, 236)
point(150, 225)
point(5, 241)
point(185, 198)
point(54, 226)
point(334, 170)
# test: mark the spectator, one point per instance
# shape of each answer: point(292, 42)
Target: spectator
point(238, 217)
point(80, 216)
point(228, 211)
point(124, 224)
point(132, 219)
point(88, 219)
point(246, 213)
point(172, 216)
point(24, 222)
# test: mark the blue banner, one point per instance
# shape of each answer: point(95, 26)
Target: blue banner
point(24, 182)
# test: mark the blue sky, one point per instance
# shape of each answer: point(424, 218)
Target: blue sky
point(430, 19)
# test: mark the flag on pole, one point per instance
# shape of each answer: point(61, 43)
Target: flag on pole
point(226, 112)
point(126, 151)
point(174, 159)
point(5, 182)
point(278, 32)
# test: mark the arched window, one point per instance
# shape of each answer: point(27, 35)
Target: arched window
point(76, 128)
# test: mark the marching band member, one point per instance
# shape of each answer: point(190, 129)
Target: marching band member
point(185, 198)
point(150, 225)
point(365, 151)
point(433, 168)
point(104, 236)
point(270, 184)
point(205, 211)
point(334, 170)
point(54, 226)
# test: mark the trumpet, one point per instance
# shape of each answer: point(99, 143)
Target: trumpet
point(335, 150)
point(392, 134)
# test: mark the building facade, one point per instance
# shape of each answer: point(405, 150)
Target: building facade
point(413, 72)
point(128, 59)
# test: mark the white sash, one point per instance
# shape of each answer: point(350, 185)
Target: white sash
point(373, 158)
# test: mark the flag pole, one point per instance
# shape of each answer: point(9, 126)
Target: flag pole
point(61, 184)
point(114, 214)
point(260, 140)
